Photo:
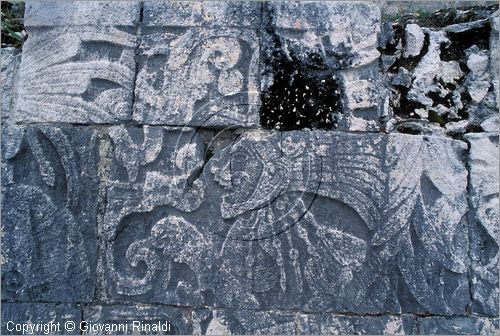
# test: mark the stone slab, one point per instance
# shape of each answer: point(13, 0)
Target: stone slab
point(202, 14)
point(328, 324)
point(458, 326)
point(11, 59)
point(46, 314)
point(316, 221)
point(346, 25)
point(49, 183)
point(137, 320)
point(198, 76)
point(78, 13)
point(483, 165)
point(75, 73)
point(238, 322)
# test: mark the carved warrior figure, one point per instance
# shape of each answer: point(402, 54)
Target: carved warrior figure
point(273, 235)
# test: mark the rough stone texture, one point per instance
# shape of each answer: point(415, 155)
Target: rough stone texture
point(325, 41)
point(78, 64)
point(327, 324)
point(483, 163)
point(458, 326)
point(215, 181)
point(208, 56)
point(22, 313)
point(122, 317)
point(49, 183)
point(414, 40)
point(234, 322)
point(265, 240)
point(11, 58)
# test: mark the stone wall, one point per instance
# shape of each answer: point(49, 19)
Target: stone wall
point(252, 167)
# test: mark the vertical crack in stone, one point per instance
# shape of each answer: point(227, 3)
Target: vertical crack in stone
point(103, 172)
point(470, 218)
point(136, 54)
point(304, 92)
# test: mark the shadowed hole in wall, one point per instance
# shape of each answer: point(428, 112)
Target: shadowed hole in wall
point(304, 92)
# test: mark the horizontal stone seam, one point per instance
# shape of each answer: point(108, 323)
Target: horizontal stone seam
point(271, 310)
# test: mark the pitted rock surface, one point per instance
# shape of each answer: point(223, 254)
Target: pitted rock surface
point(240, 167)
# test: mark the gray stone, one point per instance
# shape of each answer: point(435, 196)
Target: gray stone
point(78, 73)
point(483, 163)
point(291, 220)
point(39, 318)
point(11, 58)
point(137, 320)
point(458, 326)
point(387, 61)
point(348, 26)
point(79, 13)
point(235, 322)
point(200, 76)
point(328, 324)
point(403, 78)
point(494, 69)
point(213, 14)
point(414, 40)
point(490, 124)
point(386, 36)
point(49, 183)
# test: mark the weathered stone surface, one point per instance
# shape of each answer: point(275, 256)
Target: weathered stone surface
point(39, 313)
point(329, 48)
point(310, 220)
point(49, 183)
point(197, 76)
point(11, 58)
point(234, 322)
point(202, 14)
point(149, 320)
point(78, 73)
point(414, 40)
point(458, 326)
point(348, 26)
point(327, 324)
point(80, 13)
point(483, 163)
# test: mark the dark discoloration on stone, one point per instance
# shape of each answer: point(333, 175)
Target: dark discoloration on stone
point(48, 217)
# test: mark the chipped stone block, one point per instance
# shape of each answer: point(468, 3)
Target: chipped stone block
point(137, 320)
point(44, 318)
point(328, 324)
point(234, 322)
point(10, 65)
point(458, 326)
point(80, 69)
point(321, 47)
point(49, 183)
point(483, 163)
point(198, 76)
point(293, 220)
point(352, 26)
point(236, 14)
point(79, 13)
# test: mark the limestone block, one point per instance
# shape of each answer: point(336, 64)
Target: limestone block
point(49, 186)
point(197, 76)
point(136, 320)
point(10, 66)
point(290, 220)
point(328, 324)
point(237, 322)
point(458, 326)
point(483, 165)
point(78, 65)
